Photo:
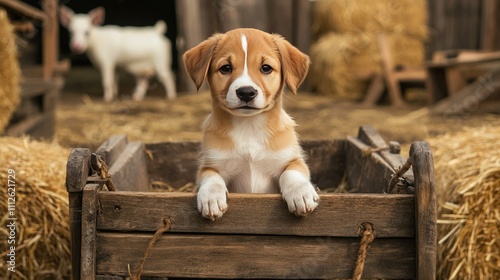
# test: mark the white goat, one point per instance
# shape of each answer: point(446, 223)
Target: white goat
point(142, 51)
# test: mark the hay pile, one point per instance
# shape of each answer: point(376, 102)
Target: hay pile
point(9, 71)
point(346, 41)
point(468, 178)
point(42, 237)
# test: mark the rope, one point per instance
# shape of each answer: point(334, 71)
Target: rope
point(399, 173)
point(167, 223)
point(99, 165)
point(369, 150)
point(367, 238)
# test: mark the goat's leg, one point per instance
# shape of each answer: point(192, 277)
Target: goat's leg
point(165, 76)
point(142, 83)
point(167, 80)
point(115, 85)
point(108, 82)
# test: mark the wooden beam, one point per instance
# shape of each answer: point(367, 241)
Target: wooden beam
point(257, 257)
point(259, 214)
point(24, 9)
point(425, 208)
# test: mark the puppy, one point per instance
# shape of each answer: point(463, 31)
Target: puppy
point(249, 142)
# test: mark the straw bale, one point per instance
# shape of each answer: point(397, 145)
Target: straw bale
point(9, 71)
point(468, 178)
point(41, 208)
point(405, 17)
point(336, 58)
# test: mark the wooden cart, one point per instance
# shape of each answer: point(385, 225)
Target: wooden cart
point(257, 237)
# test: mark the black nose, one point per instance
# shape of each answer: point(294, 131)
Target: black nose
point(246, 94)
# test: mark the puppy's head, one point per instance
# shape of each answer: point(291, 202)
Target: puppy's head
point(246, 69)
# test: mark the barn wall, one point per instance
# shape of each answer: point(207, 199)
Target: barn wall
point(453, 24)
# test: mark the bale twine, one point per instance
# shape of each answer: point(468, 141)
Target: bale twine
point(336, 58)
point(9, 71)
point(408, 17)
point(467, 167)
point(42, 247)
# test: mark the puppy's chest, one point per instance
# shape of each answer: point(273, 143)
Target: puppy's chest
point(251, 166)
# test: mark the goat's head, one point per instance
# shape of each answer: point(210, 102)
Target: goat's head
point(80, 25)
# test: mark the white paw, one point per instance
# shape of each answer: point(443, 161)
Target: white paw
point(212, 197)
point(298, 192)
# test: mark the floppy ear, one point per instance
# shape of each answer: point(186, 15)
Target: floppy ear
point(65, 15)
point(197, 60)
point(294, 63)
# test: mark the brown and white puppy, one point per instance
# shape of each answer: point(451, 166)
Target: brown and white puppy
point(249, 142)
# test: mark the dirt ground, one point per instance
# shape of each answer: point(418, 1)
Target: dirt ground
point(84, 120)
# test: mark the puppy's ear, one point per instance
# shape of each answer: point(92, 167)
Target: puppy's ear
point(197, 60)
point(294, 63)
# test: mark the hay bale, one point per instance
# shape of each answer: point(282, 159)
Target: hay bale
point(405, 17)
point(41, 208)
point(468, 179)
point(9, 71)
point(336, 58)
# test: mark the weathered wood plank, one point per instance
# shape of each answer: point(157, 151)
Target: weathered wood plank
point(77, 171)
point(112, 148)
point(425, 208)
point(367, 172)
point(326, 161)
point(337, 214)
point(129, 172)
point(176, 163)
point(89, 216)
point(372, 138)
point(245, 256)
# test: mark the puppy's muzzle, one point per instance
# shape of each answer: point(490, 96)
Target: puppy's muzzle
point(246, 94)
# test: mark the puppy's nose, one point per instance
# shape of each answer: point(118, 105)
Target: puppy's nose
point(246, 94)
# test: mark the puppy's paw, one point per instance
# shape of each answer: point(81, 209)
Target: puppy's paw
point(211, 199)
point(298, 192)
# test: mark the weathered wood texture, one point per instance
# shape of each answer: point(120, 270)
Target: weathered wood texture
point(257, 237)
point(337, 214)
point(35, 115)
point(425, 210)
point(89, 217)
point(468, 99)
point(176, 163)
point(258, 257)
point(454, 24)
point(77, 171)
point(112, 148)
point(129, 171)
point(370, 163)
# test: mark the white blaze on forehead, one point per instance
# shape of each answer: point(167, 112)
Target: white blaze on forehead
point(244, 80)
point(244, 44)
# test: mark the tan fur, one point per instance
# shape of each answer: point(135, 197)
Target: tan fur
point(250, 146)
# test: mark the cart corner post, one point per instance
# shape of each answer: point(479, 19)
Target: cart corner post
point(425, 208)
point(77, 171)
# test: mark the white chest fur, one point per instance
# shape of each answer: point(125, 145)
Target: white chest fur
point(251, 166)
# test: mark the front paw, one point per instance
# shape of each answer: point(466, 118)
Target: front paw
point(211, 200)
point(299, 193)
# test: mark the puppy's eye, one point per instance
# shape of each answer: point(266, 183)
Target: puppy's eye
point(226, 69)
point(266, 69)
